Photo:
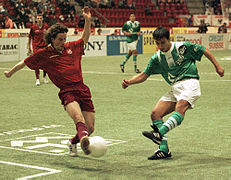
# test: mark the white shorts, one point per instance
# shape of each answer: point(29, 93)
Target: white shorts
point(188, 89)
point(132, 45)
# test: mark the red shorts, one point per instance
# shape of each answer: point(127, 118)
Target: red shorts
point(80, 96)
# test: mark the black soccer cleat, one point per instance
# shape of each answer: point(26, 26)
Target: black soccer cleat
point(154, 135)
point(122, 67)
point(160, 155)
point(137, 71)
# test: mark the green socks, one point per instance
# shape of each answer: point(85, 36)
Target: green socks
point(173, 121)
point(126, 59)
point(134, 60)
point(164, 144)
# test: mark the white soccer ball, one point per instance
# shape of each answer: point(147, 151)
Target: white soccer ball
point(98, 146)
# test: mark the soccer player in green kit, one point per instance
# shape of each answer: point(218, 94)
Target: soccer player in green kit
point(175, 61)
point(132, 30)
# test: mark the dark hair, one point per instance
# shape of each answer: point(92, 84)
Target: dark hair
point(53, 31)
point(132, 13)
point(161, 32)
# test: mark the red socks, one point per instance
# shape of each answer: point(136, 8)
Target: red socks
point(75, 139)
point(82, 130)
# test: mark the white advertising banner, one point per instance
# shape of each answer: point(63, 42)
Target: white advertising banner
point(211, 20)
point(194, 38)
point(15, 49)
point(210, 41)
point(9, 49)
point(96, 46)
point(197, 19)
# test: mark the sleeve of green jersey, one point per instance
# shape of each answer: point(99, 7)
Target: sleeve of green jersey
point(196, 50)
point(153, 66)
point(124, 28)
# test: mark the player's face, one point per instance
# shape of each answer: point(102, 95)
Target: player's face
point(132, 17)
point(59, 41)
point(163, 44)
point(39, 19)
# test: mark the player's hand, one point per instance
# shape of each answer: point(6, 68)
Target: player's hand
point(125, 84)
point(138, 33)
point(7, 74)
point(86, 12)
point(220, 70)
point(29, 51)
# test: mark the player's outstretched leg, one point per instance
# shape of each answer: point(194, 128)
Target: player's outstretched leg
point(154, 135)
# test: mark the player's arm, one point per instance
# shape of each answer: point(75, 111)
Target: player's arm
point(16, 68)
point(127, 33)
point(218, 67)
point(135, 80)
point(87, 25)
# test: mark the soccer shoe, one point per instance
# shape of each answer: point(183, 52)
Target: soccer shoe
point(137, 71)
point(45, 80)
point(158, 154)
point(37, 83)
point(122, 67)
point(154, 135)
point(72, 148)
point(84, 143)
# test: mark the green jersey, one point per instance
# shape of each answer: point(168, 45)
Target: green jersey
point(131, 27)
point(178, 63)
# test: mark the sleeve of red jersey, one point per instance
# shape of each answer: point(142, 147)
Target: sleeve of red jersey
point(31, 33)
point(78, 46)
point(33, 61)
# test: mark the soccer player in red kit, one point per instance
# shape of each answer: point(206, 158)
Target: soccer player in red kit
point(62, 62)
point(37, 36)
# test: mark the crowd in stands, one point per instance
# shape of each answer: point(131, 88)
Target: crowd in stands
point(212, 7)
point(22, 13)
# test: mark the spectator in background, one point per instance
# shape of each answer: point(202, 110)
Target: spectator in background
point(33, 13)
point(110, 4)
point(53, 20)
point(202, 27)
point(97, 22)
point(148, 11)
point(69, 23)
point(81, 22)
point(222, 28)
point(99, 32)
point(130, 4)
point(8, 22)
point(72, 15)
point(2, 10)
point(115, 33)
point(18, 23)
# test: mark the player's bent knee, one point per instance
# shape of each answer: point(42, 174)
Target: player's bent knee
point(155, 116)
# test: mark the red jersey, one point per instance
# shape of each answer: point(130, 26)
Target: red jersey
point(37, 34)
point(63, 68)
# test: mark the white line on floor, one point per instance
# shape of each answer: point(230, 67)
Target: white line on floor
point(50, 171)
